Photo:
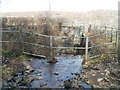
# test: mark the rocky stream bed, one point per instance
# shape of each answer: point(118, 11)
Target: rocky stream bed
point(102, 74)
point(65, 74)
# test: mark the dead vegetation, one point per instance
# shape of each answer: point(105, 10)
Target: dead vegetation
point(52, 26)
point(12, 65)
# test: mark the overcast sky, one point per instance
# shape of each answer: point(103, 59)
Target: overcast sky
point(58, 5)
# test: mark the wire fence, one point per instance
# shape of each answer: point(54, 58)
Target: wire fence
point(49, 46)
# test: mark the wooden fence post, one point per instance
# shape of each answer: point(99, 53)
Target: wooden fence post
point(51, 45)
point(111, 34)
point(51, 42)
point(105, 32)
point(89, 28)
point(118, 44)
point(86, 49)
point(117, 37)
point(20, 42)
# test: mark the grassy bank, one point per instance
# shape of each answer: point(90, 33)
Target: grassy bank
point(12, 63)
point(102, 58)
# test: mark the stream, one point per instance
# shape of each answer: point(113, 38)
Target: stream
point(41, 74)
point(53, 75)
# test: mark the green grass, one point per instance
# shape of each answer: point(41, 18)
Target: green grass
point(9, 53)
point(102, 58)
point(23, 57)
point(119, 51)
point(93, 60)
point(114, 38)
point(14, 66)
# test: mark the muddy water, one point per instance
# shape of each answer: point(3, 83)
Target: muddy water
point(64, 69)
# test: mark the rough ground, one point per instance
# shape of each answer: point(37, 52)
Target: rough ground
point(102, 74)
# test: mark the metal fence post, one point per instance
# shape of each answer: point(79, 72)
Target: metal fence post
point(20, 41)
point(86, 49)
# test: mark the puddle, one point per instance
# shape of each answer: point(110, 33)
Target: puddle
point(64, 68)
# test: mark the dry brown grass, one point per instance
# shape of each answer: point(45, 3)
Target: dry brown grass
point(100, 40)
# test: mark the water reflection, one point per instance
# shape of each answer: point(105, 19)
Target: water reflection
point(66, 65)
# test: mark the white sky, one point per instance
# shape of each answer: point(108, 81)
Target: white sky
point(58, 5)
